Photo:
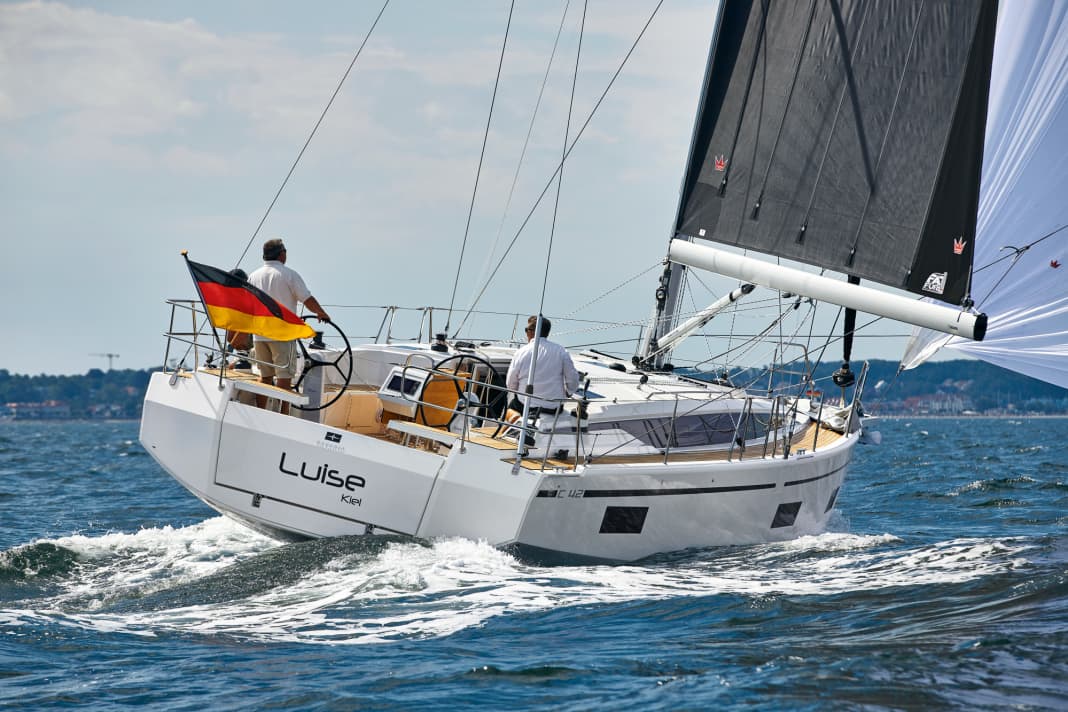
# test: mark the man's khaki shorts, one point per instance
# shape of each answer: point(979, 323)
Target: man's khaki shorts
point(277, 358)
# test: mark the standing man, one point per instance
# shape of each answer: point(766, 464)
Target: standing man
point(555, 376)
point(278, 358)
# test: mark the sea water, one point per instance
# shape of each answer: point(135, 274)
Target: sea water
point(943, 583)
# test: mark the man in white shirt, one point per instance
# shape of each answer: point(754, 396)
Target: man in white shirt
point(555, 376)
point(278, 358)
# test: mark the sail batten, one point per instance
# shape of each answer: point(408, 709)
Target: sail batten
point(846, 134)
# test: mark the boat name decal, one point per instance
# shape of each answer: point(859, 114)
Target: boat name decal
point(324, 474)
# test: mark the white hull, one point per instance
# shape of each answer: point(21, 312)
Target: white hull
point(300, 478)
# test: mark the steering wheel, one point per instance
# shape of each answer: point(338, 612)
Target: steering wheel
point(310, 364)
point(492, 408)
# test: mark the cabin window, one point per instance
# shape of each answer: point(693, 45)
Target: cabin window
point(410, 385)
point(690, 430)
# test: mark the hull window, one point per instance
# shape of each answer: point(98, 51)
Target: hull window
point(785, 515)
point(832, 500)
point(623, 520)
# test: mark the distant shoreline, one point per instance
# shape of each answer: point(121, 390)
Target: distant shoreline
point(979, 416)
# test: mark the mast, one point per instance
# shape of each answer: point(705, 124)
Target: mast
point(665, 312)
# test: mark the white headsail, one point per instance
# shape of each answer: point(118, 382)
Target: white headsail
point(1021, 251)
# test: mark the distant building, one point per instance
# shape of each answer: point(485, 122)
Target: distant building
point(106, 410)
point(45, 410)
point(939, 404)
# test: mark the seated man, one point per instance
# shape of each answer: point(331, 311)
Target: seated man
point(554, 377)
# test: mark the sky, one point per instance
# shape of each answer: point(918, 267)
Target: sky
point(130, 131)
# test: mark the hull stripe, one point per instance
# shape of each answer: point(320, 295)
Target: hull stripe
point(662, 492)
point(306, 507)
point(812, 479)
point(688, 490)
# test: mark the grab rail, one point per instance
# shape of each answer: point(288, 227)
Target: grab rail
point(776, 433)
point(781, 413)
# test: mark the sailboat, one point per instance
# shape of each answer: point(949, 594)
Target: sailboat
point(838, 138)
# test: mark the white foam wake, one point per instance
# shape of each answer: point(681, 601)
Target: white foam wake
point(410, 590)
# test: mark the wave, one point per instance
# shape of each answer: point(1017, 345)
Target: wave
point(217, 578)
point(41, 560)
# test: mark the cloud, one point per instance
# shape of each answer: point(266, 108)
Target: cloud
point(155, 132)
point(182, 159)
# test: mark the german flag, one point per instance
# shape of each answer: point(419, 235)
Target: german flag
point(234, 304)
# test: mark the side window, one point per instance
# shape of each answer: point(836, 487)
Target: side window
point(721, 427)
point(690, 431)
point(648, 432)
point(754, 427)
point(704, 430)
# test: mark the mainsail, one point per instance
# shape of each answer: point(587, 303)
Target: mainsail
point(846, 134)
point(1021, 255)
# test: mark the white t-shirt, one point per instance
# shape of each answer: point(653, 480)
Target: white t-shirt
point(282, 283)
point(555, 375)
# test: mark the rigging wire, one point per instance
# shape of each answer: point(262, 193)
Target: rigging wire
point(578, 135)
point(749, 344)
point(889, 387)
point(1015, 255)
point(539, 326)
point(690, 293)
point(523, 152)
point(300, 155)
point(560, 173)
point(478, 172)
point(322, 116)
point(619, 286)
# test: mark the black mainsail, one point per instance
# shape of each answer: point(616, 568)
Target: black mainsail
point(846, 134)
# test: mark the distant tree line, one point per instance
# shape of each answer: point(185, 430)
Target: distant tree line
point(986, 387)
point(115, 393)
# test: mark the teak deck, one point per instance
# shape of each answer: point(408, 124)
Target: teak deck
point(809, 438)
point(812, 437)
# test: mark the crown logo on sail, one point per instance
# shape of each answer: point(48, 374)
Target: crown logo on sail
point(958, 246)
point(720, 163)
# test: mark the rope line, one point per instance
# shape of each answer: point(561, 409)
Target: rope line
point(522, 155)
point(613, 289)
point(578, 136)
point(322, 116)
point(478, 172)
point(560, 173)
